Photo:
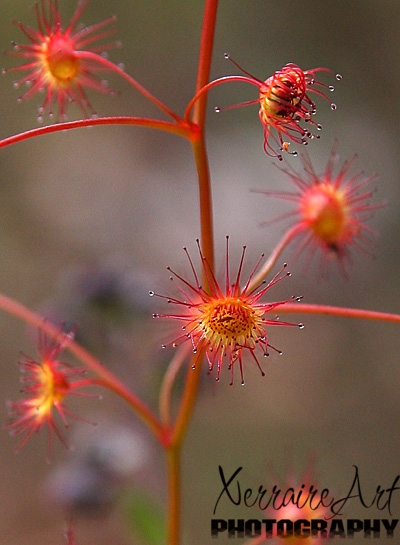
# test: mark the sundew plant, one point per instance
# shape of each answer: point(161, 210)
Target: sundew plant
point(200, 263)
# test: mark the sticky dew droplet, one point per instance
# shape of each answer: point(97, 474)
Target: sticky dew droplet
point(339, 77)
point(333, 106)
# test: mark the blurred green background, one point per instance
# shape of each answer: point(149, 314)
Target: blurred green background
point(89, 220)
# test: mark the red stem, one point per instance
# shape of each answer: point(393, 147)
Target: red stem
point(204, 90)
point(111, 66)
point(265, 269)
point(193, 376)
point(183, 129)
point(206, 49)
point(206, 218)
point(337, 311)
point(168, 383)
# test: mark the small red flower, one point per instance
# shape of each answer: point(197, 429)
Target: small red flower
point(59, 60)
point(47, 383)
point(331, 210)
point(285, 102)
point(224, 323)
point(306, 508)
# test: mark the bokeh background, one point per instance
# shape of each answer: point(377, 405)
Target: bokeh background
point(90, 219)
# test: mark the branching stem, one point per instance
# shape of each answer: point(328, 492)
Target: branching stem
point(184, 129)
point(302, 308)
point(115, 68)
point(193, 376)
point(266, 268)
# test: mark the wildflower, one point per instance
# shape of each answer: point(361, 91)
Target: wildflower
point(59, 61)
point(224, 324)
point(331, 209)
point(304, 506)
point(284, 103)
point(47, 383)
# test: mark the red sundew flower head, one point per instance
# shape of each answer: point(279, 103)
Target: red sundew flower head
point(331, 209)
point(47, 383)
point(285, 102)
point(59, 60)
point(299, 489)
point(224, 322)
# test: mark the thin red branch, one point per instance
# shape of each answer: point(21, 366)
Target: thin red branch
point(183, 129)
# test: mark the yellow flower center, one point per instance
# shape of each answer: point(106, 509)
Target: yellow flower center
point(53, 388)
point(324, 209)
point(279, 96)
point(61, 59)
point(231, 321)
